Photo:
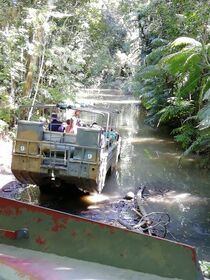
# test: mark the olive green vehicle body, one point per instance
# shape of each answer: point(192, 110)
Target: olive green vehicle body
point(51, 158)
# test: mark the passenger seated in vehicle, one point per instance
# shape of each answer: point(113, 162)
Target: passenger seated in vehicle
point(112, 135)
point(55, 124)
point(44, 122)
point(70, 126)
point(76, 118)
point(76, 121)
point(95, 125)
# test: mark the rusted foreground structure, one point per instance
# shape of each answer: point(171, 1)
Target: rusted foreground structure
point(39, 243)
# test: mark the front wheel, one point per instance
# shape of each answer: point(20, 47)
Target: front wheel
point(45, 188)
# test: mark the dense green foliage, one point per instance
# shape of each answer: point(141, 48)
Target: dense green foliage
point(173, 74)
point(51, 48)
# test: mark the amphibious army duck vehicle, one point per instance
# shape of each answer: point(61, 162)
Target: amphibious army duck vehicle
point(47, 156)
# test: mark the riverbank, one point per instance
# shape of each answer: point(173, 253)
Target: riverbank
point(6, 175)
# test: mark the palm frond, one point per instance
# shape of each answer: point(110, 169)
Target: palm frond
point(204, 117)
point(149, 72)
point(201, 144)
point(186, 64)
point(156, 55)
point(189, 82)
point(175, 62)
point(185, 41)
point(192, 60)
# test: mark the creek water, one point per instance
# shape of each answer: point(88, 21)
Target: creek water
point(150, 159)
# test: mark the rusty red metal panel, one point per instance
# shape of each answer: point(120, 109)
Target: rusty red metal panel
point(10, 234)
point(68, 235)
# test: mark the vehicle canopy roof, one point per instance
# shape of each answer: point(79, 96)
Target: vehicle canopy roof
point(46, 110)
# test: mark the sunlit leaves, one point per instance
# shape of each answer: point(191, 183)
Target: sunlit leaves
point(185, 41)
point(178, 109)
point(184, 134)
point(174, 81)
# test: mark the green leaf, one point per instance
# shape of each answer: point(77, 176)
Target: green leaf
point(155, 55)
point(184, 135)
point(175, 62)
point(190, 82)
point(192, 60)
point(201, 144)
point(158, 42)
point(149, 72)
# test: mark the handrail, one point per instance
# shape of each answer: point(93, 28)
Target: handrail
point(54, 147)
point(56, 143)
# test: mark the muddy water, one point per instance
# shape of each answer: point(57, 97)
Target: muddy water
point(152, 161)
point(149, 159)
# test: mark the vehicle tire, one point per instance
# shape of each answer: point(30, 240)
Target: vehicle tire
point(45, 188)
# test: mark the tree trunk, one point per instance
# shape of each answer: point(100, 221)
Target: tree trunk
point(32, 60)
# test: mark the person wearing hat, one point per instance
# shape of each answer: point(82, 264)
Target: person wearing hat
point(55, 124)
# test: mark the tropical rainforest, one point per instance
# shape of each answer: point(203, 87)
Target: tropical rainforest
point(156, 50)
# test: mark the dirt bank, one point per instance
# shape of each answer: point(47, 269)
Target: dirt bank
point(6, 175)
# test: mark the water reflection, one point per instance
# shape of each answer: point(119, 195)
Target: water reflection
point(172, 197)
point(150, 159)
point(150, 140)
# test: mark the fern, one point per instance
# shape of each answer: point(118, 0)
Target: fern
point(184, 135)
point(174, 87)
point(201, 144)
point(178, 110)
